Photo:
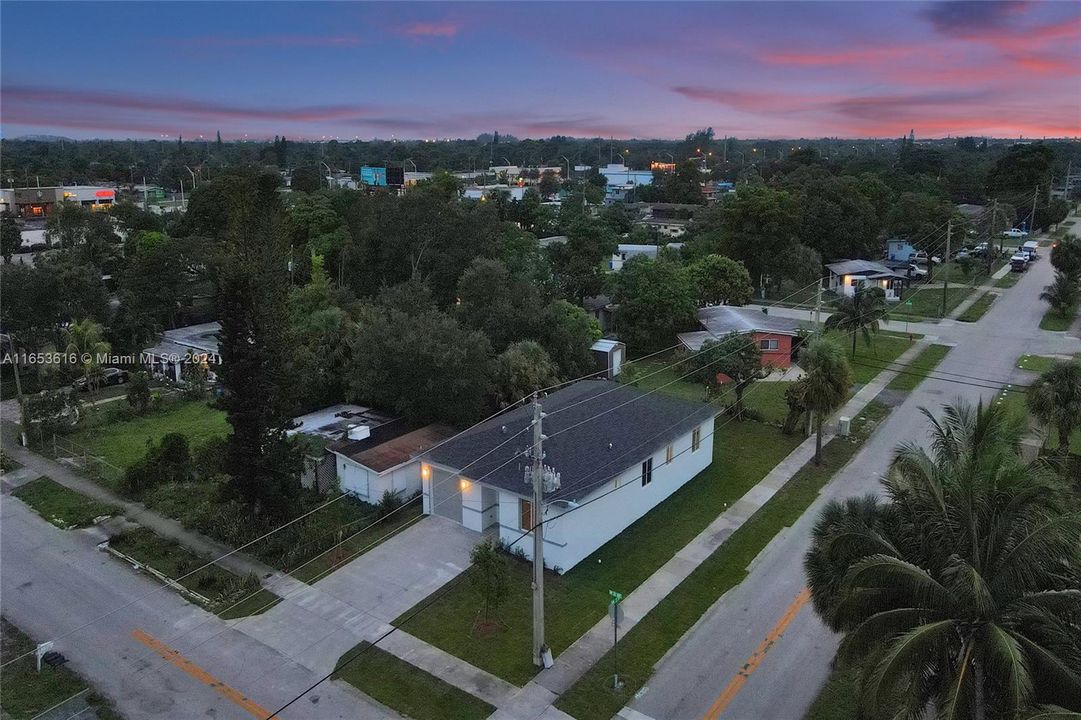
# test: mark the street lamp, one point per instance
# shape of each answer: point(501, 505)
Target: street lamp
point(410, 161)
point(567, 160)
point(192, 173)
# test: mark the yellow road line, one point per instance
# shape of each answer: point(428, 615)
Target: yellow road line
point(740, 679)
point(174, 657)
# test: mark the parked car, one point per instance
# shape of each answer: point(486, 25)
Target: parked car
point(1031, 249)
point(1015, 233)
point(915, 272)
point(108, 376)
point(920, 256)
point(1019, 262)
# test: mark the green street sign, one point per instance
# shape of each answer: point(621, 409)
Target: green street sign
point(908, 303)
point(616, 597)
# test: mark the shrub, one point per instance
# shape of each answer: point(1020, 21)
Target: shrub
point(390, 502)
point(168, 462)
point(139, 392)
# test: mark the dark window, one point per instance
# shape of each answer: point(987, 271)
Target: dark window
point(647, 472)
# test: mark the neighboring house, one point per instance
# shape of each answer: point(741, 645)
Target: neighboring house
point(626, 251)
point(619, 180)
point(166, 360)
point(622, 453)
point(319, 429)
point(847, 276)
point(601, 308)
point(379, 454)
point(779, 338)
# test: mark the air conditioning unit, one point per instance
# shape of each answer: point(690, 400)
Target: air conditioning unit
point(844, 427)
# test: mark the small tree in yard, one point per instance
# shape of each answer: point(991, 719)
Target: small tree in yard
point(859, 314)
point(1062, 295)
point(490, 577)
point(736, 355)
point(139, 392)
point(826, 384)
point(1055, 400)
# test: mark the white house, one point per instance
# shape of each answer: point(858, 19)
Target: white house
point(623, 452)
point(379, 454)
point(847, 276)
point(626, 251)
point(166, 360)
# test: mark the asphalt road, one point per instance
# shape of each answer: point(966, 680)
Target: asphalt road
point(758, 653)
point(55, 581)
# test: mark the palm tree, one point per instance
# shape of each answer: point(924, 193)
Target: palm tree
point(85, 342)
point(1062, 295)
point(826, 384)
point(1055, 400)
point(958, 592)
point(859, 313)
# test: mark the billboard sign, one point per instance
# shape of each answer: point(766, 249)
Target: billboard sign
point(373, 176)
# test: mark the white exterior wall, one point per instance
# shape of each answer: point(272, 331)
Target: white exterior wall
point(369, 485)
point(570, 539)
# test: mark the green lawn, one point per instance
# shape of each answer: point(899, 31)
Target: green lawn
point(870, 360)
point(221, 587)
point(1055, 322)
point(1035, 363)
point(921, 365)
point(978, 309)
point(576, 600)
point(591, 698)
point(927, 302)
point(123, 442)
point(406, 688)
point(1008, 280)
point(62, 507)
point(25, 693)
point(1015, 401)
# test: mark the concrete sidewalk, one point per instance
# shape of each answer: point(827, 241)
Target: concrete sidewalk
point(202, 545)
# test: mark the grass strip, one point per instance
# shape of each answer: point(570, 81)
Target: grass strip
point(26, 693)
point(406, 688)
point(61, 506)
point(221, 587)
point(1056, 322)
point(592, 699)
point(978, 309)
point(921, 366)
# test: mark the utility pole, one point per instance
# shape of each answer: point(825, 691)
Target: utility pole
point(537, 477)
point(818, 307)
point(1032, 222)
point(946, 267)
point(994, 217)
point(146, 206)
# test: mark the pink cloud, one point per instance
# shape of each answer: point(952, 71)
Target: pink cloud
point(858, 56)
point(436, 29)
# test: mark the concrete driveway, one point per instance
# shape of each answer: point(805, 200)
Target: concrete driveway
point(315, 624)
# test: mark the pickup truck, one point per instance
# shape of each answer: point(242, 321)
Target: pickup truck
point(1019, 262)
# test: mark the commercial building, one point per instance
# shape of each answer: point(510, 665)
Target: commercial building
point(41, 201)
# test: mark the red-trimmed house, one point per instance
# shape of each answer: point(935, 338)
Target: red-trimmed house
point(777, 337)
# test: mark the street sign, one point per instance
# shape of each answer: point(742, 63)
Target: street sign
point(908, 303)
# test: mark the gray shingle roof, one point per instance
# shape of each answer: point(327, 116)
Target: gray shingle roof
point(723, 319)
point(634, 423)
point(861, 267)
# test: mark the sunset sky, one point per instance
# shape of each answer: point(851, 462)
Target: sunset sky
point(428, 70)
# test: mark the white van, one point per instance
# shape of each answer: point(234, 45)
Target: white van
point(1030, 249)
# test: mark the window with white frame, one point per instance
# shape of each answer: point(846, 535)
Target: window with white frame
point(769, 344)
